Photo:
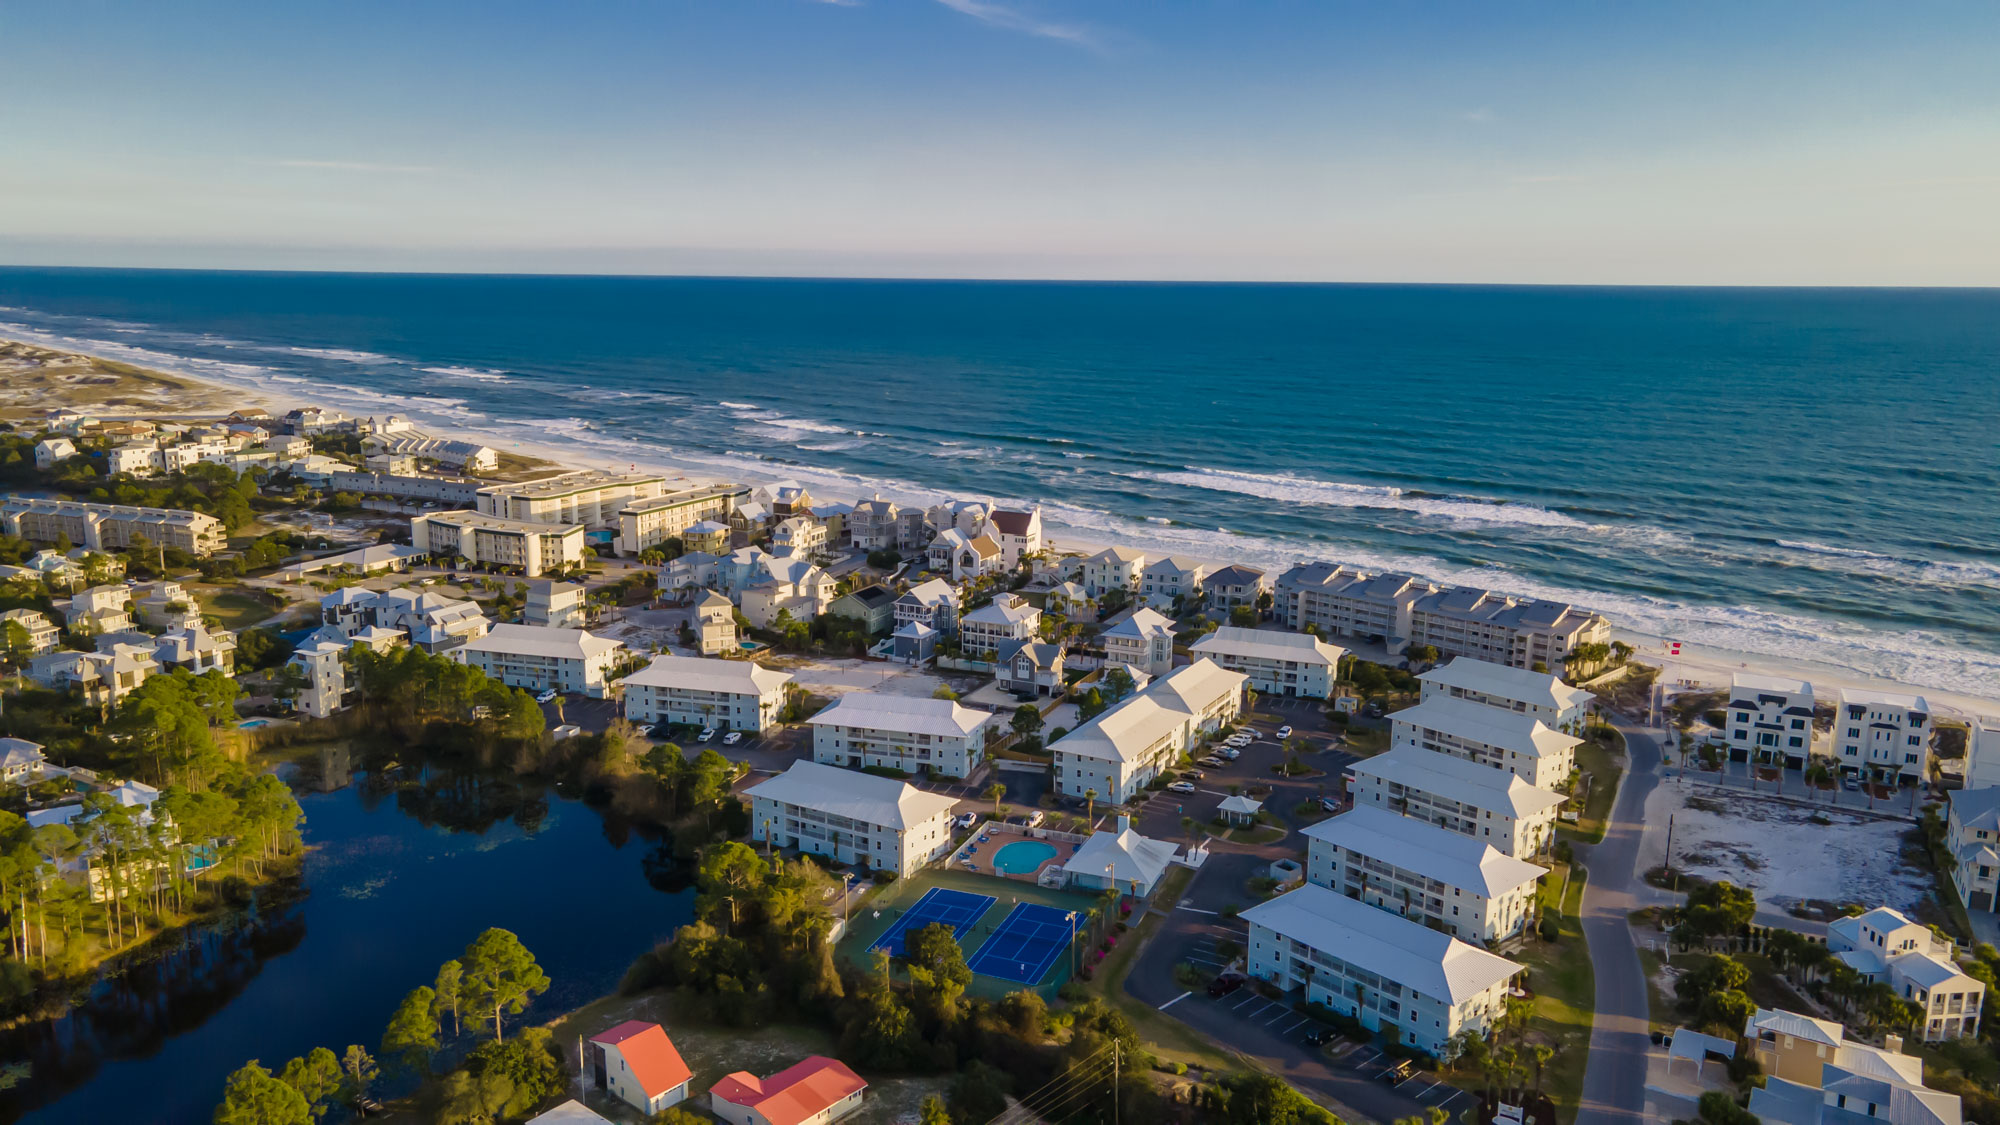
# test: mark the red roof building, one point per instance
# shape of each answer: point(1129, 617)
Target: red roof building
point(813, 1092)
point(638, 1064)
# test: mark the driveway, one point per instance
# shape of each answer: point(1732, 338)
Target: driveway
point(1614, 1077)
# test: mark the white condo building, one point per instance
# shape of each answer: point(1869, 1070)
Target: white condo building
point(729, 694)
point(902, 732)
point(1491, 805)
point(523, 545)
point(1114, 568)
point(1884, 735)
point(1540, 694)
point(1443, 879)
point(1770, 720)
point(1506, 740)
point(1276, 663)
point(589, 497)
point(537, 658)
point(851, 817)
point(1128, 746)
point(1393, 975)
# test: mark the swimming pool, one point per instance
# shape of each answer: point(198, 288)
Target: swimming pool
point(1022, 857)
point(253, 724)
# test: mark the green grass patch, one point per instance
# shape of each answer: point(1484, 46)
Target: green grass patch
point(1366, 741)
point(1565, 994)
point(235, 610)
point(1605, 765)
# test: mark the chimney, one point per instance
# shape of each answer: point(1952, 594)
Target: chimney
point(1893, 1044)
point(1124, 824)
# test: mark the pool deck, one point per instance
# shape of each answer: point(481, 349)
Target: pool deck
point(989, 843)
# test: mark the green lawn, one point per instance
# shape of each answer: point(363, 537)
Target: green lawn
point(235, 610)
point(1565, 995)
point(1605, 767)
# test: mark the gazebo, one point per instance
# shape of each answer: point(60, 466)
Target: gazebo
point(1240, 809)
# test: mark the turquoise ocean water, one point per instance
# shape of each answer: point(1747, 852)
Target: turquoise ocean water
point(1812, 474)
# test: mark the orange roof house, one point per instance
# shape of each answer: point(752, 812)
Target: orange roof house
point(638, 1064)
point(813, 1092)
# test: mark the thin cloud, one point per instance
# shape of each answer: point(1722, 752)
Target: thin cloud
point(1480, 114)
point(352, 166)
point(996, 15)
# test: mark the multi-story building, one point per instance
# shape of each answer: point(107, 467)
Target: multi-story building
point(1019, 533)
point(932, 603)
point(901, 732)
point(21, 761)
point(432, 621)
point(1008, 617)
point(194, 648)
point(1169, 579)
point(715, 623)
point(1540, 694)
point(554, 605)
point(590, 497)
point(1770, 720)
point(1885, 946)
point(1883, 735)
point(1409, 982)
point(1505, 740)
point(913, 531)
point(1815, 1075)
point(527, 547)
point(1143, 639)
point(540, 658)
point(50, 452)
point(871, 526)
point(1340, 599)
point(98, 610)
point(1972, 837)
point(1443, 879)
point(1030, 668)
point(852, 817)
point(466, 456)
point(111, 527)
point(41, 632)
point(636, 1063)
point(728, 694)
point(1277, 663)
point(789, 584)
point(873, 606)
point(1495, 806)
point(1234, 586)
point(799, 535)
point(1982, 753)
point(326, 678)
point(1126, 747)
point(102, 677)
point(460, 491)
point(1114, 568)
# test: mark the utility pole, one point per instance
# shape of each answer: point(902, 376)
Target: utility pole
point(1114, 1082)
point(1670, 852)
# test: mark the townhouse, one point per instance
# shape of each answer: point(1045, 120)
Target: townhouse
point(590, 497)
point(1126, 747)
point(1972, 839)
point(1542, 695)
point(1505, 740)
point(1143, 639)
point(1276, 663)
point(1492, 805)
point(1446, 880)
point(540, 658)
point(111, 527)
point(1008, 617)
point(1414, 985)
point(1884, 945)
point(1114, 568)
point(852, 817)
point(1883, 735)
point(908, 733)
point(702, 691)
point(1769, 720)
point(524, 546)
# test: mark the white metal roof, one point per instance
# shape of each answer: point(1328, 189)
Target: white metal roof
point(1456, 779)
point(1433, 852)
point(703, 673)
point(1124, 733)
point(858, 796)
point(542, 640)
point(1129, 856)
point(1268, 644)
point(1144, 622)
point(1515, 731)
point(1417, 957)
point(908, 714)
point(1540, 689)
point(1866, 697)
point(1795, 1025)
point(1782, 684)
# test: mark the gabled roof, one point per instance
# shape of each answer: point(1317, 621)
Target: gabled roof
point(795, 1094)
point(1437, 853)
point(1540, 689)
point(1141, 624)
point(906, 713)
point(999, 612)
point(18, 752)
point(857, 796)
point(1782, 1022)
point(655, 1063)
point(1268, 644)
point(1120, 556)
point(1457, 779)
point(1129, 856)
point(1976, 808)
point(1008, 522)
point(1514, 731)
point(1430, 961)
point(542, 641)
point(933, 592)
point(706, 673)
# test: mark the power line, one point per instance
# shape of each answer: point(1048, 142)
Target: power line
point(1079, 1081)
point(1075, 1073)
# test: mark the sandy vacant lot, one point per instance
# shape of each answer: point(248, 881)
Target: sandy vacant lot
point(1775, 848)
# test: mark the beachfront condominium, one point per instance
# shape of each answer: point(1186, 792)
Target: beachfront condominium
point(1117, 753)
point(1113, 568)
point(1415, 985)
point(1443, 879)
point(852, 817)
point(901, 732)
point(1166, 581)
point(1504, 740)
point(1885, 946)
point(521, 546)
point(1007, 618)
point(1982, 753)
point(1770, 720)
point(1400, 610)
point(705, 692)
point(1495, 806)
point(111, 527)
point(1277, 663)
point(539, 658)
point(590, 497)
point(1883, 735)
point(466, 456)
point(1142, 639)
point(1540, 694)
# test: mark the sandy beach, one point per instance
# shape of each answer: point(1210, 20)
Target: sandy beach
point(94, 383)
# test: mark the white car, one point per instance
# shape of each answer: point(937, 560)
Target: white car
point(546, 697)
point(1284, 732)
point(732, 738)
point(707, 733)
point(1230, 752)
point(966, 820)
point(1181, 787)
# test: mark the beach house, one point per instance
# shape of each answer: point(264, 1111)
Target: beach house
point(1114, 568)
point(1008, 617)
point(1018, 532)
point(816, 1091)
point(21, 761)
point(1233, 587)
point(1770, 720)
point(932, 603)
point(1030, 668)
point(1882, 735)
point(714, 623)
point(1143, 639)
point(851, 817)
point(871, 526)
point(1884, 945)
point(705, 692)
point(1277, 663)
point(554, 605)
point(41, 633)
point(902, 732)
point(873, 606)
point(1972, 839)
point(1446, 880)
point(50, 452)
point(1164, 582)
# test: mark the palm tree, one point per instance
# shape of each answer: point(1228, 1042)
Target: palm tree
point(1089, 805)
point(1541, 1053)
point(996, 791)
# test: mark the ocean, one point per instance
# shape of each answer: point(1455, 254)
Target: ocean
point(1808, 474)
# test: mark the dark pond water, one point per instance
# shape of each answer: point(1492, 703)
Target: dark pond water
point(403, 874)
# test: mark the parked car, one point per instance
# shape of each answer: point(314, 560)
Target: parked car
point(1402, 1069)
point(1320, 1036)
point(1035, 818)
point(1329, 804)
point(1284, 732)
point(1192, 775)
point(1230, 752)
point(1851, 784)
point(1181, 787)
point(546, 696)
point(965, 820)
point(1213, 762)
point(1225, 984)
point(707, 733)
point(732, 738)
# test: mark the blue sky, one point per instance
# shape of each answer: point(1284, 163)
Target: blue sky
point(1820, 143)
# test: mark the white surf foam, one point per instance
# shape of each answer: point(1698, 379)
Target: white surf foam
point(478, 374)
point(1339, 494)
point(345, 355)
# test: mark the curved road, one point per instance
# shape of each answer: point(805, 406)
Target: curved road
point(1614, 1076)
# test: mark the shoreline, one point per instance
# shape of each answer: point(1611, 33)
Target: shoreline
point(1704, 664)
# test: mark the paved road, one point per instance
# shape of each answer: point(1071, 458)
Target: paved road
point(1614, 1077)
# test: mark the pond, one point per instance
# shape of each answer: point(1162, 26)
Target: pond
point(405, 870)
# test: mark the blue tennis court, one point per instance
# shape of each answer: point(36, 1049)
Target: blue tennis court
point(1025, 944)
point(957, 909)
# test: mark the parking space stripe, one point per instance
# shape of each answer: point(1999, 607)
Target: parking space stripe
point(1175, 1000)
